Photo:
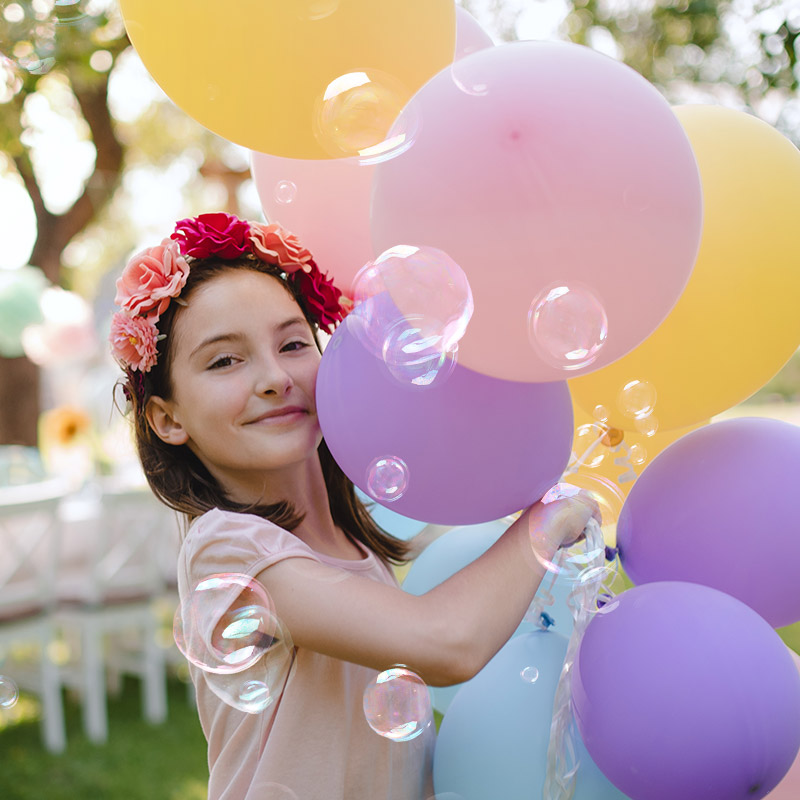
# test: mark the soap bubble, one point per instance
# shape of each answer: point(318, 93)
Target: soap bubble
point(387, 478)
point(397, 704)
point(567, 326)
point(637, 454)
point(412, 307)
point(357, 116)
point(258, 686)
point(587, 446)
point(637, 399)
point(285, 192)
point(529, 674)
point(647, 426)
point(226, 623)
point(9, 694)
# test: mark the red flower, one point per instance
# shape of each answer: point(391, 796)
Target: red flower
point(219, 234)
point(325, 301)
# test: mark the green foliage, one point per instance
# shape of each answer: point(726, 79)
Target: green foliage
point(139, 762)
point(784, 386)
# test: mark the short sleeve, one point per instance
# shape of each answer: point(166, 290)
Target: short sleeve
point(226, 542)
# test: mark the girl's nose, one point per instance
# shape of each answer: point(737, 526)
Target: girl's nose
point(273, 379)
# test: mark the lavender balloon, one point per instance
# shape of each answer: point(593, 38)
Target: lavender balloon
point(719, 507)
point(682, 691)
point(463, 450)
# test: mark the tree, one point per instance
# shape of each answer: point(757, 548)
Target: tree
point(41, 43)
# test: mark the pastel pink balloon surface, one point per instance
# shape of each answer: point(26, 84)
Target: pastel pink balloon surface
point(470, 36)
point(541, 165)
point(324, 202)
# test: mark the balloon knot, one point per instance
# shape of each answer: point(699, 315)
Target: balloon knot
point(611, 553)
point(546, 620)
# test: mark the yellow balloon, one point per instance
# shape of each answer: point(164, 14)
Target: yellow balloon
point(607, 461)
point(296, 78)
point(737, 322)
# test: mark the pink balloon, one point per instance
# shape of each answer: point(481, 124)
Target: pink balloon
point(470, 36)
point(324, 202)
point(540, 165)
point(789, 787)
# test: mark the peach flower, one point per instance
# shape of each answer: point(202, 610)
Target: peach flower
point(134, 341)
point(152, 278)
point(275, 245)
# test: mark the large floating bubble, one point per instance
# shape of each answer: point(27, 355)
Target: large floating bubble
point(9, 694)
point(355, 113)
point(226, 624)
point(387, 478)
point(567, 325)
point(397, 704)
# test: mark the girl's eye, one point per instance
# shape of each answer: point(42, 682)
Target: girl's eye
point(222, 361)
point(296, 345)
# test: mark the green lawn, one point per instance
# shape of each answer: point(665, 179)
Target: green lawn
point(139, 761)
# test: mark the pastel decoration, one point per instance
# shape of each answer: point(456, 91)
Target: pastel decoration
point(460, 451)
point(452, 552)
point(789, 787)
point(470, 36)
point(718, 507)
point(736, 324)
point(565, 188)
point(672, 687)
point(292, 79)
point(326, 203)
point(20, 295)
point(492, 742)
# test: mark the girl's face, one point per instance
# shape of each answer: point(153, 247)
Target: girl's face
point(244, 369)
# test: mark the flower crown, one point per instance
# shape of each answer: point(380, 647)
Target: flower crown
point(156, 276)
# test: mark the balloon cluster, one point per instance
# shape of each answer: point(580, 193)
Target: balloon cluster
point(553, 270)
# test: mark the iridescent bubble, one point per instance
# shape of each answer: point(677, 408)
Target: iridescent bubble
point(9, 694)
point(412, 307)
point(567, 326)
point(225, 624)
point(258, 686)
point(68, 12)
point(637, 454)
point(387, 478)
point(358, 115)
point(397, 704)
point(647, 426)
point(415, 359)
point(637, 399)
point(601, 414)
point(587, 446)
point(529, 674)
point(607, 494)
point(285, 192)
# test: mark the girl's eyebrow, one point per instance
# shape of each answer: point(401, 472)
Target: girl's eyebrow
point(235, 337)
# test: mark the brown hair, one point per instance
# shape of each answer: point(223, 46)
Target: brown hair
point(181, 481)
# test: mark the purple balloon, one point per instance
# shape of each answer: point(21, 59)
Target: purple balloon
point(682, 691)
point(476, 448)
point(719, 507)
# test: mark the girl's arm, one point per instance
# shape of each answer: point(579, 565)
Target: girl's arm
point(428, 535)
point(446, 635)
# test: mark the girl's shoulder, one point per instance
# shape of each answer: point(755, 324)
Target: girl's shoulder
point(231, 541)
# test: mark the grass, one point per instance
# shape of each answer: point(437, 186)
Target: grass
point(139, 761)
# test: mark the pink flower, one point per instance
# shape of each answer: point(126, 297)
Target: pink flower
point(218, 234)
point(325, 301)
point(133, 341)
point(275, 245)
point(151, 278)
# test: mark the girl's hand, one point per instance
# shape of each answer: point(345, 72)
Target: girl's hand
point(560, 523)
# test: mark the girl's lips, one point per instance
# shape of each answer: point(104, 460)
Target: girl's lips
point(278, 416)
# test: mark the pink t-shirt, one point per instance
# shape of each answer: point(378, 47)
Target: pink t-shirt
point(313, 741)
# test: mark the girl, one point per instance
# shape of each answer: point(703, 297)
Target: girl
point(218, 339)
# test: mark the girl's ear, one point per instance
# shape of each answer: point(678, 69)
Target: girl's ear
point(161, 418)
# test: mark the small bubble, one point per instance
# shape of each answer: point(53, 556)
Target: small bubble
point(397, 704)
point(285, 192)
point(567, 326)
point(601, 414)
point(9, 694)
point(637, 454)
point(586, 446)
point(529, 674)
point(387, 478)
point(647, 426)
point(637, 399)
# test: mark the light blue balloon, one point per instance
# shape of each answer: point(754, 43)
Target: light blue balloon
point(452, 552)
point(492, 743)
point(396, 524)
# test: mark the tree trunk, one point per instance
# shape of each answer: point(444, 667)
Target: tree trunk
point(19, 401)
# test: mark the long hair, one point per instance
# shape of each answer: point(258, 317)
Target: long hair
point(181, 481)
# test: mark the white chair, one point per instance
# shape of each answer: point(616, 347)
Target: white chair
point(29, 542)
point(110, 576)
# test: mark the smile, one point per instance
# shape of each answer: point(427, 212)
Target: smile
point(284, 418)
